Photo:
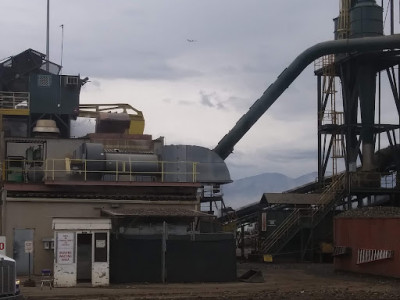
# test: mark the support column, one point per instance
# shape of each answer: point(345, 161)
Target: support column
point(367, 90)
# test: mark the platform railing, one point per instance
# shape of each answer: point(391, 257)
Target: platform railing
point(373, 180)
point(282, 232)
point(20, 170)
point(298, 217)
point(14, 100)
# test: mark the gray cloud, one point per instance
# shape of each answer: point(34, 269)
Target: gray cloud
point(290, 155)
point(142, 67)
point(96, 83)
point(206, 99)
point(185, 102)
point(211, 100)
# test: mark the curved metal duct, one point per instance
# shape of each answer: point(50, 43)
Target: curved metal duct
point(226, 144)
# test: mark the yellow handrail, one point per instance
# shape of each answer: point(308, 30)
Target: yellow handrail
point(60, 169)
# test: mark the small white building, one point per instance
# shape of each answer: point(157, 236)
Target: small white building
point(81, 251)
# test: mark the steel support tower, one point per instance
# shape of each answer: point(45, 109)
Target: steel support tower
point(350, 134)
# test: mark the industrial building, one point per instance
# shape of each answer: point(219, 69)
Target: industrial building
point(117, 199)
point(106, 205)
point(358, 152)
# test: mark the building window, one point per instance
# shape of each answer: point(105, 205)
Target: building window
point(44, 80)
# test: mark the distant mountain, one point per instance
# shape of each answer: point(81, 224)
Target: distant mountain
point(250, 189)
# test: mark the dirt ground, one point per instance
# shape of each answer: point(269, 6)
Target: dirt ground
point(281, 281)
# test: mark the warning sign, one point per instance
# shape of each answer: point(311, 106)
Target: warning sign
point(3, 245)
point(28, 246)
point(65, 248)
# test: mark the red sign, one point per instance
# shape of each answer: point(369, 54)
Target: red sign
point(3, 245)
point(65, 248)
point(264, 221)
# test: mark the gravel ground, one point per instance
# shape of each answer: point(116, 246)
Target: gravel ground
point(372, 212)
point(281, 281)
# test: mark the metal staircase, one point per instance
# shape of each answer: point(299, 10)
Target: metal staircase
point(282, 234)
point(302, 218)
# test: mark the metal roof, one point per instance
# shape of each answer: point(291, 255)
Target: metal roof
point(291, 198)
point(155, 212)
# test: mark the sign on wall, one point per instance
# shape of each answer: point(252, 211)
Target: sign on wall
point(65, 248)
point(264, 221)
point(100, 251)
point(3, 245)
point(28, 246)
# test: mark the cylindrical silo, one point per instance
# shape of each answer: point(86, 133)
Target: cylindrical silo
point(366, 19)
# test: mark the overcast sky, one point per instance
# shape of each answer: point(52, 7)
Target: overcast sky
point(190, 92)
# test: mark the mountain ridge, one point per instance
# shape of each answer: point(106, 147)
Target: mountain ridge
point(250, 189)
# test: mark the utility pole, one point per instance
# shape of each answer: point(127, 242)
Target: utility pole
point(62, 46)
point(47, 36)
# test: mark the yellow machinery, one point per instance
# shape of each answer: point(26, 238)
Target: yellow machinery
point(136, 117)
point(17, 104)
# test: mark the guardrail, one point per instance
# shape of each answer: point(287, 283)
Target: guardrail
point(372, 180)
point(14, 100)
point(282, 232)
point(20, 170)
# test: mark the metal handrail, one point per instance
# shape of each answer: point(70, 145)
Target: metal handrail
point(283, 229)
point(293, 219)
point(14, 100)
point(51, 169)
point(329, 195)
point(325, 203)
point(387, 179)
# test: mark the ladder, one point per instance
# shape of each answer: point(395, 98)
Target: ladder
point(343, 26)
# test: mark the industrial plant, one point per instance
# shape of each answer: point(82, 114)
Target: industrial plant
point(117, 205)
point(87, 204)
point(358, 152)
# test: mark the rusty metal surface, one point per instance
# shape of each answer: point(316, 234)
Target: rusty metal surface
point(146, 191)
point(155, 212)
point(292, 198)
point(372, 233)
point(112, 122)
point(117, 136)
point(124, 142)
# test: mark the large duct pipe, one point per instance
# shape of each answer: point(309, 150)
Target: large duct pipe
point(226, 144)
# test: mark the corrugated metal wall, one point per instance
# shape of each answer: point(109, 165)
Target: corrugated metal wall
point(370, 234)
point(207, 258)
point(135, 259)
